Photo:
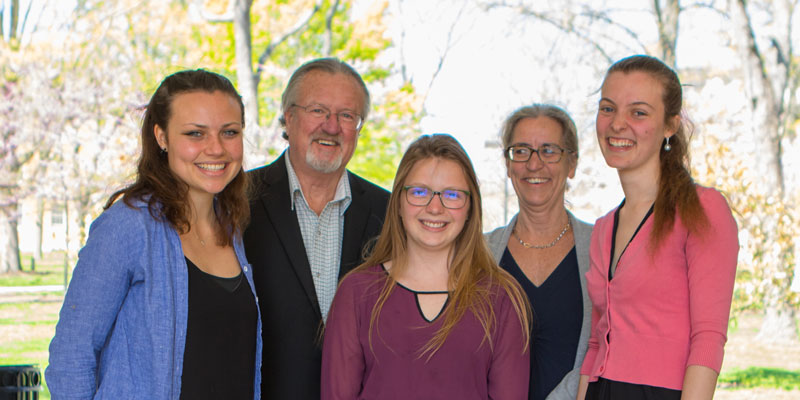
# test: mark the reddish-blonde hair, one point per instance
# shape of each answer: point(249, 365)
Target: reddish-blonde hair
point(473, 272)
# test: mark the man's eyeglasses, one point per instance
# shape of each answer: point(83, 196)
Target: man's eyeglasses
point(548, 153)
point(450, 198)
point(347, 119)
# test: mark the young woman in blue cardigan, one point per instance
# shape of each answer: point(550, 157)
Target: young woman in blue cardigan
point(161, 304)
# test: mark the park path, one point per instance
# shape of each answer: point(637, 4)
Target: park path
point(30, 289)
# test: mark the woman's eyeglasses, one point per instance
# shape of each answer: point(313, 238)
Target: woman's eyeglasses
point(450, 198)
point(548, 153)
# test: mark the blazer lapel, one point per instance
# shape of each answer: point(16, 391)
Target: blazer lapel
point(277, 204)
point(355, 223)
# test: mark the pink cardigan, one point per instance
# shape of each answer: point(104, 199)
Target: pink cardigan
point(665, 311)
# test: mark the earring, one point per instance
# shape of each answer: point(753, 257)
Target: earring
point(163, 151)
point(667, 147)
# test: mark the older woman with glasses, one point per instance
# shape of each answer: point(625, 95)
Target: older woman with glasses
point(545, 247)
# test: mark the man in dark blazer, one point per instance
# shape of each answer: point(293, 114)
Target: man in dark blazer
point(310, 220)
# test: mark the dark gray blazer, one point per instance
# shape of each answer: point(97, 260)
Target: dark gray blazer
point(567, 389)
point(290, 312)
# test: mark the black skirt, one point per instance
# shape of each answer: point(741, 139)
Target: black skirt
point(605, 389)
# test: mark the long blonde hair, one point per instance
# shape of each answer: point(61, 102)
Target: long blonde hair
point(473, 272)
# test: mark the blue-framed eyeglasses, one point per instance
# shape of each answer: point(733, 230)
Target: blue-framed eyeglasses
point(450, 198)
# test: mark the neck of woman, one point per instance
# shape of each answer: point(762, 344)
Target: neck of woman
point(537, 222)
point(640, 189)
point(202, 218)
point(426, 269)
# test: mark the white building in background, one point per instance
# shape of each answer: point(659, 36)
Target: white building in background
point(59, 226)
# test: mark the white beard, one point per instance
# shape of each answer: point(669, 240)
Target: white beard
point(323, 166)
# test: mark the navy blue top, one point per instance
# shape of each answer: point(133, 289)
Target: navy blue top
point(557, 316)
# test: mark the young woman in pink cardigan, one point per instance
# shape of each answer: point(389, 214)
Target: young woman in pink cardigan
point(663, 262)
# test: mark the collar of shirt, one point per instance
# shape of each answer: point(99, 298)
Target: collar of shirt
point(342, 194)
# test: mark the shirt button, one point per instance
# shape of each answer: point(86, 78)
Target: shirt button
point(245, 269)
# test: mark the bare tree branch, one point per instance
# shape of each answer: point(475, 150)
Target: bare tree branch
point(227, 16)
point(569, 30)
point(603, 17)
point(707, 6)
point(25, 18)
point(447, 46)
point(784, 57)
point(791, 70)
point(328, 38)
point(301, 25)
point(39, 17)
point(403, 67)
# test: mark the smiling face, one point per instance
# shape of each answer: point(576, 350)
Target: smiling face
point(322, 145)
point(536, 183)
point(203, 141)
point(630, 122)
point(434, 227)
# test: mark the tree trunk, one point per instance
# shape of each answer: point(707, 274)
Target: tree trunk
point(9, 240)
point(766, 93)
point(667, 19)
point(248, 84)
point(327, 39)
point(778, 326)
point(38, 231)
point(83, 208)
point(766, 121)
point(66, 243)
point(12, 31)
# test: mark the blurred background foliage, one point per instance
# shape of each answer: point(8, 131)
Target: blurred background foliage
point(75, 76)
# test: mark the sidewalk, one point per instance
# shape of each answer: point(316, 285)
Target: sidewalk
point(30, 289)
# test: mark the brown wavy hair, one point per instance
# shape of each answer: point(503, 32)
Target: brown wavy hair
point(676, 188)
point(156, 184)
point(473, 273)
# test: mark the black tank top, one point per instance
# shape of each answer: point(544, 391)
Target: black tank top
point(219, 358)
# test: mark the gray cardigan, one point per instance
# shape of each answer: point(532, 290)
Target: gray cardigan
point(567, 389)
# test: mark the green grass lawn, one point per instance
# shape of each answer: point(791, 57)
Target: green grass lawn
point(26, 329)
point(48, 271)
point(753, 377)
point(28, 325)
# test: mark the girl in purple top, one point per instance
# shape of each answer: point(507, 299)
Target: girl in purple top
point(429, 314)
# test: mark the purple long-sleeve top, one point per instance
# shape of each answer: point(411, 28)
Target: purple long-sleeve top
point(390, 366)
